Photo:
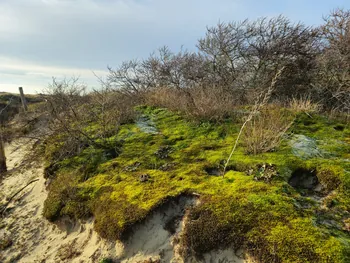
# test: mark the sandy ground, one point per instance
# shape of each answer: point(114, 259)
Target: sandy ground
point(34, 239)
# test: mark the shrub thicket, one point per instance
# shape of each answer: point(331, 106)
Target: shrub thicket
point(236, 61)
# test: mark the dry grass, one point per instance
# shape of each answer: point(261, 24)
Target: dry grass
point(213, 104)
point(304, 105)
point(205, 103)
point(167, 97)
point(260, 102)
point(265, 131)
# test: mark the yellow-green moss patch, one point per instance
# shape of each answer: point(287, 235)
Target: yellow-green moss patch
point(270, 218)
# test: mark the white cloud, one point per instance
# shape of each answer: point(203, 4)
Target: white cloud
point(34, 78)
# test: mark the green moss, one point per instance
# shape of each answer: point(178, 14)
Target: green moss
point(270, 219)
point(65, 198)
point(330, 176)
point(300, 241)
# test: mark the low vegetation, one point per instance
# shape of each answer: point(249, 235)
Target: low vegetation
point(10, 105)
point(266, 216)
point(265, 132)
point(13, 121)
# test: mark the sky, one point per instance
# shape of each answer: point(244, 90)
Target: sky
point(41, 39)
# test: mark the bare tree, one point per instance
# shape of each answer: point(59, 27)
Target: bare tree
point(245, 55)
point(332, 80)
point(128, 77)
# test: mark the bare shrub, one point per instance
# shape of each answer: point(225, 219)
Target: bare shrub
point(332, 80)
point(170, 98)
point(66, 108)
point(198, 103)
point(245, 55)
point(79, 120)
point(162, 69)
point(212, 104)
point(265, 131)
point(235, 60)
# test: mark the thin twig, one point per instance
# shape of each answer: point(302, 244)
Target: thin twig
point(257, 106)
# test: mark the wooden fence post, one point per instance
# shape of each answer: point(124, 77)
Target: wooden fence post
point(23, 99)
point(3, 167)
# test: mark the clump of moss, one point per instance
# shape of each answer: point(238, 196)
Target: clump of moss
point(64, 198)
point(199, 238)
point(114, 217)
point(300, 241)
point(330, 176)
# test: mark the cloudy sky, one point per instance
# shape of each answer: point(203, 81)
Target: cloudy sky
point(40, 39)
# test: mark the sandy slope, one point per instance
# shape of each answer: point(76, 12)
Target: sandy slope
point(36, 240)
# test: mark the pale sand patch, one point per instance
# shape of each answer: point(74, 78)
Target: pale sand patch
point(154, 240)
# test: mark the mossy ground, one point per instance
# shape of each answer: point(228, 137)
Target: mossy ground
point(270, 218)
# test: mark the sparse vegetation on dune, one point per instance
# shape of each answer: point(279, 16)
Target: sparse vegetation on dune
point(10, 105)
point(250, 207)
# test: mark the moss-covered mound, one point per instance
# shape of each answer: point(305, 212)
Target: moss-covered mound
point(255, 205)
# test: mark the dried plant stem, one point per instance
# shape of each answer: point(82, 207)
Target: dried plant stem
point(257, 106)
point(3, 209)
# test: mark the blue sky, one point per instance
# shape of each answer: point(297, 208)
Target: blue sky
point(40, 39)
